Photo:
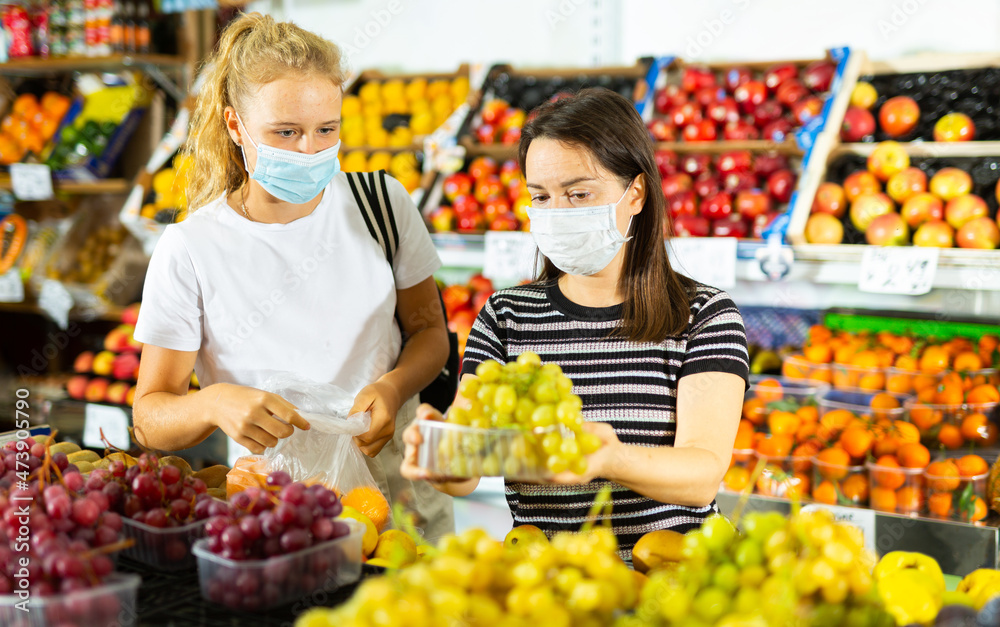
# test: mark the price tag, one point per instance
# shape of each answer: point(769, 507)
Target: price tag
point(708, 260)
point(863, 519)
point(509, 256)
point(55, 300)
point(11, 287)
point(112, 421)
point(898, 270)
point(31, 181)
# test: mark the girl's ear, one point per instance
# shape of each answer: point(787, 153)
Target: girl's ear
point(233, 125)
point(637, 195)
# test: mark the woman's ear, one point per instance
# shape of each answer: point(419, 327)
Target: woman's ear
point(233, 125)
point(637, 195)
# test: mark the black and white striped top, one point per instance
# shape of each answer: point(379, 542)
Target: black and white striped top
point(632, 386)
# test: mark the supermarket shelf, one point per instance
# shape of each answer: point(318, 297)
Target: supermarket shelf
point(110, 314)
point(788, 147)
point(104, 186)
point(958, 547)
point(33, 66)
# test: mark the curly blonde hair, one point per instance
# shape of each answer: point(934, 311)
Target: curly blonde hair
point(253, 50)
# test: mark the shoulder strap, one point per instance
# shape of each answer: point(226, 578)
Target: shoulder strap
point(372, 195)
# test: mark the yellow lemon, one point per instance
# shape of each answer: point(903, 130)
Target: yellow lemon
point(396, 547)
point(370, 92)
point(379, 160)
point(350, 106)
point(459, 89)
point(370, 539)
point(354, 161)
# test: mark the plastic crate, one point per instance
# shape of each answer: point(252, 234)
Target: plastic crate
point(839, 485)
point(895, 490)
point(858, 402)
point(788, 477)
point(967, 419)
point(111, 603)
point(741, 467)
point(798, 367)
point(957, 498)
point(458, 451)
point(168, 549)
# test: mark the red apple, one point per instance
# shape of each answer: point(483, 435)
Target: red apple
point(687, 113)
point(696, 164)
point(860, 183)
point(888, 230)
point(461, 324)
point(981, 233)
point(494, 207)
point(749, 95)
point(734, 161)
point(471, 222)
point(96, 390)
point(807, 109)
point(463, 205)
point(124, 366)
point(102, 363)
point(76, 387)
point(730, 226)
point(790, 92)
point(130, 315)
point(662, 130)
point(767, 112)
point(818, 75)
point(117, 393)
point(906, 184)
point(867, 207)
point(963, 209)
point(898, 116)
point(950, 183)
point(493, 111)
point(761, 222)
point(456, 297)
point(83, 362)
point(709, 95)
point(768, 163)
point(724, 111)
point(858, 124)
point(934, 233)
point(920, 208)
point(830, 198)
point(776, 75)
point(515, 189)
point(488, 187)
point(752, 203)
point(682, 203)
point(504, 222)
point(777, 130)
point(478, 283)
point(954, 127)
point(781, 184)
point(509, 172)
point(512, 118)
point(707, 185)
point(457, 184)
point(703, 131)
point(736, 76)
point(824, 228)
point(486, 133)
point(691, 226)
point(669, 97)
point(888, 158)
point(675, 183)
point(666, 161)
point(717, 206)
point(116, 340)
point(740, 131)
point(479, 301)
point(697, 77)
point(481, 167)
point(511, 136)
point(739, 181)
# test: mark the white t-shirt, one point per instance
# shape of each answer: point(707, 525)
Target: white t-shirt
point(314, 297)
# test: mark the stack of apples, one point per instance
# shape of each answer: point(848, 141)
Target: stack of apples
point(736, 104)
point(736, 194)
point(898, 118)
point(483, 196)
point(500, 123)
point(891, 198)
point(462, 304)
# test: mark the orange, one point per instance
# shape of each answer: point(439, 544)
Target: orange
point(33, 142)
point(913, 455)
point(967, 361)
point(823, 375)
point(943, 476)
point(736, 478)
point(950, 437)
point(906, 362)
point(836, 462)
point(769, 390)
point(804, 452)
point(857, 441)
point(837, 419)
point(825, 492)
point(819, 333)
point(10, 152)
point(972, 466)
point(887, 445)
point(975, 427)
point(775, 446)
point(899, 383)
point(984, 393)
point(872, 381)
point(844, 354)
point(934, 359)
point(797, 486)
point(25, 105)
point(939, 504)
point(949, 392)
point(924, 417)
point(744, 435)
point(783, 423)
point(905, 431)
point(855, 488)
point(370, 502)
point(793, 370)
point(807, 431)
point(883, 499)
point(909, 499)
point(754, 411)
point(883, 401)
point(817, 353)
point(979, 509)
point(865, 359)
point(808, 413)
point(886, 473)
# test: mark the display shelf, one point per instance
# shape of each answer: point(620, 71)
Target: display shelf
point(959, 548)
point(35, 66)
point(717, 147)
point(110, 314)
point(103, 186)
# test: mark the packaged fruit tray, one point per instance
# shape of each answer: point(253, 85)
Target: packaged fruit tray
point(167, 549)
point(750, 105)
point(955, 426)
point(263, 584)
point(458, 451)
point(111, 603)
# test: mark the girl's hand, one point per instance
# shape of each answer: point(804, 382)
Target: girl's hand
point(601, 463)
point(253, 418)
point(410, 469)
point(382, 400)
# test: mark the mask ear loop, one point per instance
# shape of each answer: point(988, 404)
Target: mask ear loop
point(628, 229)
point(243, 152)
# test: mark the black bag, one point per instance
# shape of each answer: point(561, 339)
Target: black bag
point(372, 196)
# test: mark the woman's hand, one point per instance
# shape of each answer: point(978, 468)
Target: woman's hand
point(602, 462)
point(253, 418)
point(383, 401)
point(409, 469)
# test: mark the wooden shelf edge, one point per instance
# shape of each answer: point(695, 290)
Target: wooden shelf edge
point(103, 186)
point(111, 314)
point(35, 64)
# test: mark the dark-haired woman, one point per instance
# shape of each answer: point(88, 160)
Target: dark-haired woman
point(659, 360)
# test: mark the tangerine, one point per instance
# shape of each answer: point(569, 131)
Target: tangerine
point(775, 446)
point(807, 431)
point(967, 361)
point(825, 492)
point(833, 463)
point(754, 411)
point(972, 466)
point(736, 479)
point(883, 499)
point(925, 417)
point(808, 413)
point(819, 333)
point(872, 381)
point(979, 509)
point(797, 486)
point(883, 401)
point(934, 359)
point(899, 383)
point(943, 476)
point(25, 105)
point(984, 393)
point(939, 504)
point(905, 431)
point(817, 353)
point(783, 423)
point(887, 473)
point(949, 393)
point(744, 435)
point(855, 488)
point(913, 455)
point(887, 445)
point(769, 390)
point(857, 441)
point(950, 437)
point(909, 499)
point(975, 428)
point(370, 502)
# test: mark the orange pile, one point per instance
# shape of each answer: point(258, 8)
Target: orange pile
point(949, 493)
point(30, 125)
point(370, 502)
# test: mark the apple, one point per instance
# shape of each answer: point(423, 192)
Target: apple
point(761, 222)
point(115, 340)
point(767, 112)
point(791, 92)
point(954, 127)
point(478, 283)
point(777, 130)
point(736, 76)
point(96, 390)
point(730, 226)
point(887, 230)
point(134, 345)
point(950, 183)
point(818, 75)
point(116, 393)
point(734, 161)
point(717, 206)
point(521, 206)
point(494, 110)
point(479, 301)
point(488, 187)
point(457, 184)
point(471, 222)
point(682, 203)
point(102, 363)
point(751, 203)
point(130, 315)
point(723, 111)
point(83, 362)
point(443, 219)
point(781, 184)
point(867, 207)
point(824, 228)
point(461, 325)
point(455, 298)
point(124, 366)
point(669, 97)
point(511, 136)
point(768, 163)
point(858, 124)
point(504, 222)
point(707, 185)
point(981, 233)
point(740, 131)
point(512, 118)
point(807, 109)
point(697, 77)
point(739, 181)
point(481, 167)
point(888, 158)
point(662, 130)
point(494, 207)
point(920, 208)
point(898, 116)
point(963, 209)
point(688, 225)
point(509, 172)
point(709, 95)
point(906, 184)
point(515, 189)
point(830, 198)
point(666, 161)
point(860, 183)
point(486, 133)
point(696, 164)
point(776, 75)
point(863, 95)
point(130, 396)
point(76, 387)
point(687, 113)
point(674, 183)
point(703, 131)
point(463, 205)
point(749, 95)
point(934, 233)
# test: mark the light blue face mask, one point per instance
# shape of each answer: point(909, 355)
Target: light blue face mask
point(294, 177)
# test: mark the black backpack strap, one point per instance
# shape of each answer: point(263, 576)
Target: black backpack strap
point(372, 195)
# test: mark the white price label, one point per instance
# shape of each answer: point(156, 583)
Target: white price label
point(111, 421)
point(708, 260)
point(31, 181)
point(898, 270)
point(509, 256)
point(11, 287)
point(55, 300)
point(863, 519)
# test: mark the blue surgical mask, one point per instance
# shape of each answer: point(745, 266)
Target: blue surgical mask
point(294, 177)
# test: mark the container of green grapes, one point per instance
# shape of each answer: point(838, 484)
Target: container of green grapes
point(519, 420)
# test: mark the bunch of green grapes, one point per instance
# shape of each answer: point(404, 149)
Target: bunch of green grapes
point(780, 572)
point(534, 399)
point(473, 580)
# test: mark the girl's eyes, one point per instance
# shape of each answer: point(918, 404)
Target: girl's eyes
point(573, 196)
point(286, 133)
point(289, 133)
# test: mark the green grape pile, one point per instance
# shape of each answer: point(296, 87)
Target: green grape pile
point(526, 423)
point(473, 580)
point(780, 572)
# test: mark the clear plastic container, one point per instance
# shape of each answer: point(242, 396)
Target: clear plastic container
point(111, 603)
point(956, 498)
point(798, 367)
point(902, 381)
point(458, 451)
point(741, 466)
point(955, 426)
point(895, 490)
point(839, 485)
point(166, 549)
point(787, 477)
point(859, 403)
point(848, 377)
point(263, 584)
point(770, 394)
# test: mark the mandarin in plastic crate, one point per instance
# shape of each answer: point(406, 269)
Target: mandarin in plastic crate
point(839, 482)
point(741, 466)
point(787, 477)
point(956, 488)
point(798, 367)
point(955, 426)
point(894, 488)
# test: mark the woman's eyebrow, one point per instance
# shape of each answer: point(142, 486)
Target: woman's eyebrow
point(578, 179)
